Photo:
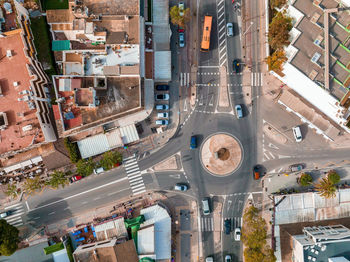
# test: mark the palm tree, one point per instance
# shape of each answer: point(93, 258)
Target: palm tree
point(326, 188)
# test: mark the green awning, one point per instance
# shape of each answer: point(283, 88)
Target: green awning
point(60, 45)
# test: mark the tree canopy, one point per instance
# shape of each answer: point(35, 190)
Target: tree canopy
point(32, 184)
point(305, 179)
point(9, 238)
point(326, 188)
point(333, 176)
point(277, 3)
point(85, 167)
point(177, 19)
point(279, 28)
point(57, 179)
point(111, 158)
point(276, 60)
point(254, 235)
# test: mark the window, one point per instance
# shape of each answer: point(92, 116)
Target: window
point(315, 57)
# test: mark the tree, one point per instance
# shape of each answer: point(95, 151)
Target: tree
point(72, 150)
point(57, 179)
point(254, 229)
point(32, 184)
point(333, 176)
point(85, 167)
point(110, 159)
point(305, 179)
point(277, 3)
point(8, 238)
point(253, 255)
point(276, 60)
point(326, 188)
point(177, 19)
point(12, 191)
point(279, 28)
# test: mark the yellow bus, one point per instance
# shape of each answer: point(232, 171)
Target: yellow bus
point(206, 33)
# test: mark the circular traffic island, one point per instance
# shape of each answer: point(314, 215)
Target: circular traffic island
point(221, 154)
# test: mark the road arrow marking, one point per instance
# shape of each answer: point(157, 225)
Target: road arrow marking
point(273, 146)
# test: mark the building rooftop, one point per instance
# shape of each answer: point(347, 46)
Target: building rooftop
point(18, 118)
point(308, 43)
point(91, 100)
point(116, 7)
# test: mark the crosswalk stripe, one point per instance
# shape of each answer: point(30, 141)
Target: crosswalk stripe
point(139, 192)
point(132, 169)
point(12, 219)
point(136, 180)
point(137, 187)
point(130, 164)
point(12, 206)
point(130, 157)
point(188, 79)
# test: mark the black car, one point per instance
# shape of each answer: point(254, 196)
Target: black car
point(236, 66)
point(227, 226)
point(162, 87)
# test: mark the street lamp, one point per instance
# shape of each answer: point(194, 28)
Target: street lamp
point(251, 23)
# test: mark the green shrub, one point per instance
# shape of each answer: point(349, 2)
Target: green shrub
point(333, 177)
point(72, 150)
point(305, 179)
point(110, 159)
point(54, 248)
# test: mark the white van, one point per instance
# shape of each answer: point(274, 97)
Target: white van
point(297, 134)
point(98, 170)
point(206, 206)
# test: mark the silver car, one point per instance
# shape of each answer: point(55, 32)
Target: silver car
point(229, 28)
point(239, 111)
point(163, 115)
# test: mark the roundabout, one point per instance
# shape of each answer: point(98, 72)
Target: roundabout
point(221, 154)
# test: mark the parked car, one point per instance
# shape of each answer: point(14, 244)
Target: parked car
point(227, 225)
point(239, 111)
point(75, 178)
point(209, 259)
point(297, 134)
point(236, 66)
point(228, 258)
point(99, 170)
point(229, 29)
point(181, 8)
point(296, 167)
point(163, 115)
point(162, 87)
point(162, 107)
point(181, 29)
point(162, 122)
point(206, 206)
point(5, 214)
point(182, 39)
point(162, 97)
point(256, 172)
point(180, 187)
point(193, 143)
point(238, 234)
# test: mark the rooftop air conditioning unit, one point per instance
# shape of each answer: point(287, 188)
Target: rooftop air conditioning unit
point(15, 83)
point(9, 53)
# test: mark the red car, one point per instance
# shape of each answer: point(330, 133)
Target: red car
point(75, 178)
point(181, 29)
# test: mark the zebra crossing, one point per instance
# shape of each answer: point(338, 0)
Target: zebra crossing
point(15, 218)
point(184, 79)
point(256, 79)
point(221, 27)
point(207, 223)
point(134, 175)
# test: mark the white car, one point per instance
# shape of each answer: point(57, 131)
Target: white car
point(229, 28)
point(163, 115)
point(181, 8)
point(180, 187)
point(238, 234)
point(297, 134)
point(239, 111)
point(182, 39)
point(162, 122)
point(228, 258)
point(209, 259)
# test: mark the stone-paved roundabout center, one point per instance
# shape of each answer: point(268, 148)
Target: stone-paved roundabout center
point(221, 154)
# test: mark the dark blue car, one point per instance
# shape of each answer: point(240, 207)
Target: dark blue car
point(193, 143)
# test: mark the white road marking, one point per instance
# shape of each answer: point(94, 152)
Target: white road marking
point(81, 193)
point(273, 146)
point(12, 206)
point(53, 212)
point(27, 206)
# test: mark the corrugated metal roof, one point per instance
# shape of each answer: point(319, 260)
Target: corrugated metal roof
point(129, 134)
point(162, 65)
point(158, 216)
point(311, 207)
point(114, 138)
point(145, 241)
point(93, 146)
